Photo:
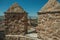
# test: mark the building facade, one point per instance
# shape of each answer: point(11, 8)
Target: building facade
point(49, 21)
point(16, 20)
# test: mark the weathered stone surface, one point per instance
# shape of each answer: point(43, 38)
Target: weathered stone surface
point(49, 21)
point(49, 25)
point(16, 21)
point(19, 37)
point(15, 8)
point(50, 6)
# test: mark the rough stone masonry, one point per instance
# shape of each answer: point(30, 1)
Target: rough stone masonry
point(49, 21)
point(16, 20)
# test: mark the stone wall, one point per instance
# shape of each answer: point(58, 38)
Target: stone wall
point(16, 23)
point(18, 37)
point(49, 26)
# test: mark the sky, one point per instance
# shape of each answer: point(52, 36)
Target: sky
point(30, 6)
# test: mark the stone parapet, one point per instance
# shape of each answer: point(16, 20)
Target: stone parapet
point(19, 37)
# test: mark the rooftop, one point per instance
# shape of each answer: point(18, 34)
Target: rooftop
point(15, 8)
point(51, 6)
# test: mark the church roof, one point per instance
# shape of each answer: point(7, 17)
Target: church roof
point(15, 8)
point(51, 5)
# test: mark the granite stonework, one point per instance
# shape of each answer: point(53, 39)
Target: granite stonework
point(16, 21)
point(49, 26)
point(49, 21)
point(18, 37)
